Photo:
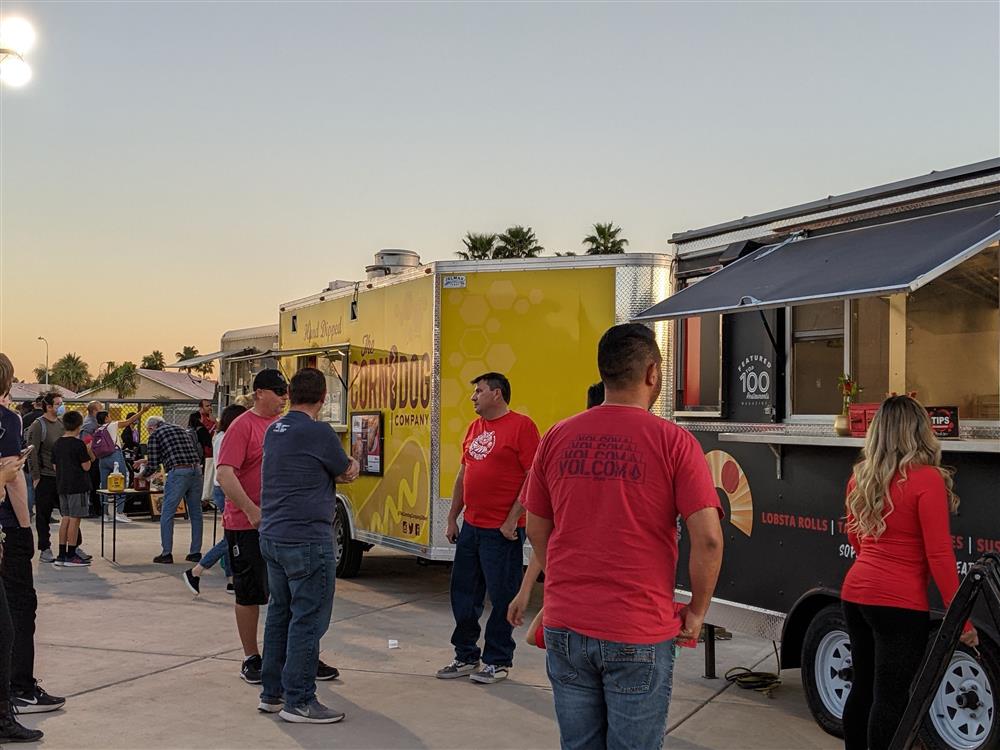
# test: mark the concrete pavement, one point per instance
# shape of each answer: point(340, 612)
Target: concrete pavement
point(145, 664)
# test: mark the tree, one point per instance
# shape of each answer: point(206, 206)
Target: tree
point(70, 371)
point(518, 242)
point(189, 352)
point(154, 361)
point(477, 246)
point(40, 374)
point(605, 240)
point(124, 379)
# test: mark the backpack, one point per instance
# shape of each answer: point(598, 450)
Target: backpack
point(102, 444)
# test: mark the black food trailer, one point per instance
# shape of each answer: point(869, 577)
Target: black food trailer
point(898, 288)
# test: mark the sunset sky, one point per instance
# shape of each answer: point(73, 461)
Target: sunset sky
point(175, 170)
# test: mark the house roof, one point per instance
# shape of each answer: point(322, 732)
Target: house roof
point(185, 385)
point(30, 391)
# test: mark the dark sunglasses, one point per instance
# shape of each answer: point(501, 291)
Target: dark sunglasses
point(278, 390)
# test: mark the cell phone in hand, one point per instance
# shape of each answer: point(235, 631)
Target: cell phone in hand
point(26, 451)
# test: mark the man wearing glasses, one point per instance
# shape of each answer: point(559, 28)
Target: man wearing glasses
point(238, 470)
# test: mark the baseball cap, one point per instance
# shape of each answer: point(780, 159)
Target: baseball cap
point(269, 380)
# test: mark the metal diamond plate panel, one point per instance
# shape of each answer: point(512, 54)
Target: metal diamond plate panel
point(637, 288)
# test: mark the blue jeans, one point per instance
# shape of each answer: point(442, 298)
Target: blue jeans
point(107, 465)
point(485, 561)
point(181, 484)
point(302, 578)
point(607, 694)
point(221, 549)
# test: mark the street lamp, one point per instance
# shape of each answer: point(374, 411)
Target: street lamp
point(17, 37)
point(42, 338)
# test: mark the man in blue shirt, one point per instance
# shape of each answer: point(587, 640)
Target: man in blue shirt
point(303, 460)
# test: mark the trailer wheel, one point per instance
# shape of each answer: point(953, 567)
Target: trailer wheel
point(963, 713)
point(349, 551)
point(827, 668)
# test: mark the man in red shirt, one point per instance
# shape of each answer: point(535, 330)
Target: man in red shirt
point(603, 498)
point(496, 455)
point(238, 471)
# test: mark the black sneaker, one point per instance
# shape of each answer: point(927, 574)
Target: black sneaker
point(194, 557)
point(164, 559)
point(326, 672)
point(270, 705)
point(192, 581)
point(458, 669)
point(250, 671)
point(12, 731)
point(35, 701)
point(311, 713)
point(230, 589)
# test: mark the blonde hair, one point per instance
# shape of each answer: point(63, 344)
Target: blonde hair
point(900, 436)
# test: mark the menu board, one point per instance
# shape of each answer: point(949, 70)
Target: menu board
point(367, 442)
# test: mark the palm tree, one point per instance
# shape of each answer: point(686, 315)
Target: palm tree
point(605, 240)
point(40, 374)
point(154, 361)
point(188, 352)
point(124, 379)
point(70, 371)
point(477, 246)
point(518, 242)
point(205, 368)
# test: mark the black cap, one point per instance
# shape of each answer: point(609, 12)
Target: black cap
point(268, 379)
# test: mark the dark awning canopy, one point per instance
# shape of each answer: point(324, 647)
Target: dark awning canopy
point(900, 256)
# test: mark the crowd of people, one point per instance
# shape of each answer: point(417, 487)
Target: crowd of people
point(607, 541)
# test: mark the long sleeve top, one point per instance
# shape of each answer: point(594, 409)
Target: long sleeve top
point(893, 570)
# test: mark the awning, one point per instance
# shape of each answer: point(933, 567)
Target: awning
point(199, 360)
point(339, 349)
point(900, 256)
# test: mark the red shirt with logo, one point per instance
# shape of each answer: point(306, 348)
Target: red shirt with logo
point(243, 449)
point(613, 479)
point(496, 454)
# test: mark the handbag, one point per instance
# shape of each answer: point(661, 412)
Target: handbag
point(208, 485)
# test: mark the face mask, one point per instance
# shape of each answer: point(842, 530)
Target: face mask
point(60, 410)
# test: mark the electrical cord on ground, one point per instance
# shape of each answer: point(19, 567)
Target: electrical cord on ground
point(761, 682)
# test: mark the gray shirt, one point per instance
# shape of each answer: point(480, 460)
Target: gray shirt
point(40, 459)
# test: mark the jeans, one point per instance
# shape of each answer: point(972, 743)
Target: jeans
point(181, 484)
point(485, 561)
point(302, 578)
point(221, 550)
point(107, 465)
point(19, 586)
point(887, 648)
point(607, 694)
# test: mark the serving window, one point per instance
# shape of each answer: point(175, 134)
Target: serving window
point(698, 364)
point(332, 365)
point(817, 360)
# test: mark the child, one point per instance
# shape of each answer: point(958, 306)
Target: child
point(72, 459)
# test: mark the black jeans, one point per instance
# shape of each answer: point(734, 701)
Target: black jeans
point(6, 647)
point(19, 586)
point(46, 501)
point(887, 648)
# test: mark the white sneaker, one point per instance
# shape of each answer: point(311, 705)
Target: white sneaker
point(122, 518)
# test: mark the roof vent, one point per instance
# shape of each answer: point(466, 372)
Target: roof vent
point(392, 261)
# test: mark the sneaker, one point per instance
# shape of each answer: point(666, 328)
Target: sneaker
point(192, 581)
point(59, 561)
point(311, 713)
point(270, 705)
point(122, 518)
point(73, 562)
point(230, 589)
point(35, 701)
point(250, 671)
point(12, 731)
point(164, 559)
point(194, 557)
point(326, 672)
point(490, 674)
point(83, 555)
point(457, 669)
point(46, 556)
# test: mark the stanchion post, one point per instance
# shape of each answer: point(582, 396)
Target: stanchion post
point(709, 652)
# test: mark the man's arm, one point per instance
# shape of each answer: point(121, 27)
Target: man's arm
point(17, 493)
point(539, 531)
point(705, 533)
point(509, 526)
point(35, 457)
point(152, 460)
point(457, 503)
point(236, 495)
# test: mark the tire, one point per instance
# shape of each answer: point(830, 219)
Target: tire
point(349, 551)
point(949, 725)
point(826, 668)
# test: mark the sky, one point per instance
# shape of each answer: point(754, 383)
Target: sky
point(177, 170)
